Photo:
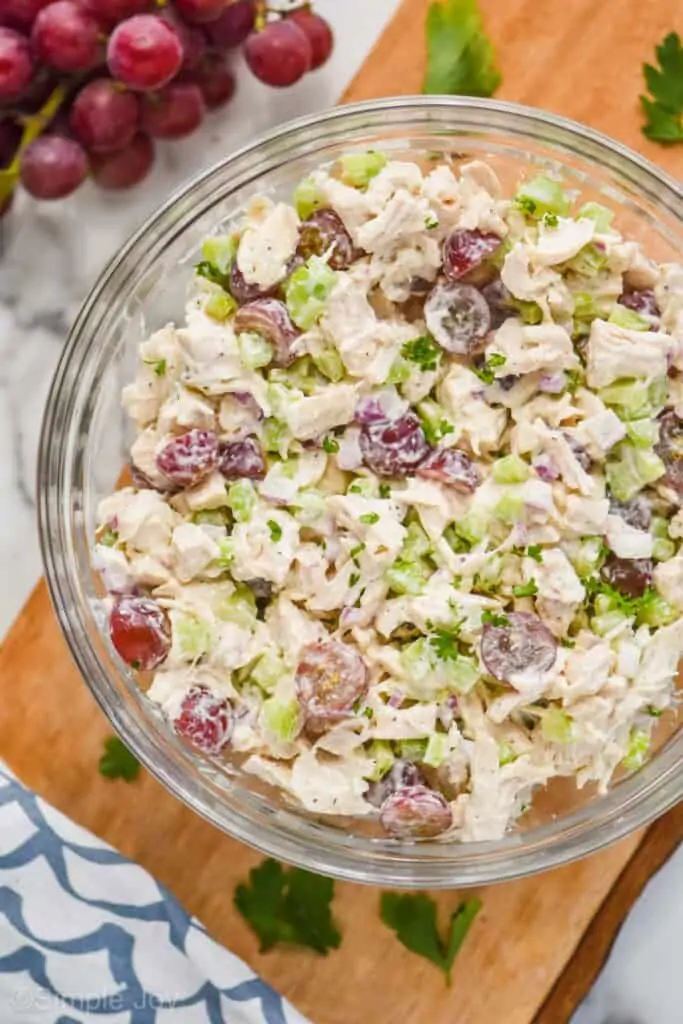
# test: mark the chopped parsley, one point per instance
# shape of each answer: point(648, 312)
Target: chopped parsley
point(210, 272)
point(413, 918)
point(445, 644)
point(550, 220)
point(275, 530)
point(431, 221)
point(424, 351)
point(356, 550)
point(117, 762)
point(485, 371)
point(528, 589)
point(384, 491)
point(158, 365)
point(353, 579)
point(535, 551)
point(108, 537)
point(490, 618)
point(663, 108)
point(369, 518)
point(330, 445)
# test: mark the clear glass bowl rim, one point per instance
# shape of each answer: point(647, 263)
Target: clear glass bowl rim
point(631, 805)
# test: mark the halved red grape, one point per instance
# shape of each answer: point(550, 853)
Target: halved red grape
point(500, 302)
point(324, 232)
point(450, 466)
point(630, 576)
point(330, 678)
point(318, 33)
point(524, 644)
point(205, 720)
point(394, 447)
point(233, 25)
point(670, 448)
point(238, 459)
point(16, 64)
point(400, 775)
point(174, 111)
point(215, 79)
point(466, 249)
point(103, 116)
point(580, 452)
point(140, 631)
point(269, 318)
point(415, 812)
point(126, 167)
point(188, 458)
point(637, 512)
point(144, 52)
point(66, 36)
point(280, 54)
point(240, 290)
point(643, 302)
point(457, 316)
point(53, 167)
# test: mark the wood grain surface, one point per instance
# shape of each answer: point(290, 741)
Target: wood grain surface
point(580, 58)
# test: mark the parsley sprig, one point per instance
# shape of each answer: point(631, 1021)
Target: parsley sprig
point(117, 762)
point(664, 111)
point(485, 371)
point(413, 918)
point(423, 351)
point(460, 56)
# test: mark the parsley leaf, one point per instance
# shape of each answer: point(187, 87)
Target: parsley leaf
point(384, 491)
point(528, 589)
point(275, 530)
point(663, 120)
point(493, 618)
point(330, 445)
point(423, 351)
point(413, 918)
point(485, 371)
point(159, 366)
point(117, 762)
point(288, 906)
point(535, 551)
point(445, 644)
point(369, 518)
point(211, 273)
point(460, 57)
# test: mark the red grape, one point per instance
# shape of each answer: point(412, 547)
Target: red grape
point(630, 576)
point(16, 64)
point(643, 302)
point(113, 11)
point(205, 720)
point(330, 678)
point(238, 459)
point(318, 33)
point(192, 39)
point(176, 110)
point(637, 512)
point(144, 52)
point(126, 167)
point(458, 317)
point(20, 13)
point(215, 79)
point(394, 447)
point(280, 54)
point(670, 448)
point(450, 466)
point(140, 631)
point(400, 775)
point(200, 10)
point(104, 116)
point(66, 36)
point(523, 644)
point(53, 167)
point(465, 249)
point(415, 812)
point(186, 459)
point(324, 232)
point(270, 318)
point(232, 26)
point(241, 290)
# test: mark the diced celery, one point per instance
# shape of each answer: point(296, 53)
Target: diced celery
point(307, 291)
point(605, 603)
point(542, 195)
point(586, 307)
point(462, 674)
point(328, 362)
point(309, 507)
point(400, 371)
point(636, 755)
point(363, 485)
point(192, 635)
point(242, 499)
point(510, 470)
point(604, 624)
point(220, 251)
point(282, 718)
point(634, 469)
point(255, 351)
point(437, 750)
point(588, 262)
point(473, 526)
point(601, 216)
point(509, 508)
point(416, 542)
point(358, 169)
point(275, 437)
point(407, 577)
point(628, 319)
point(630, 397)
point(220, 306)
point(587, 555)
point(529, 312)
point(239, 607)
point(506, 754)
point(279, 393)
point(417, 658)
point(489, 575)
point(383, 756)
point(302, 374)
point(659, 527)
point(556, 725)
point(457, 544)
point(412, 750)
point(663, 549)
point(307, 198)
point(659, 392)
point(434, 421)
point(643, 433)
point(268, 670)
point(226, 546)
point(108, 537)
point(654, 611)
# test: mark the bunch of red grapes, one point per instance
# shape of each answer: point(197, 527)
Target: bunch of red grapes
point(86, 86)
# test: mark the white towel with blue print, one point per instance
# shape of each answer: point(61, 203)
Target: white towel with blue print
point(87, 936)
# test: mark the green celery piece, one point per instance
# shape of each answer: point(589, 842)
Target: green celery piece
point(460, 57)
point(220, 251)
point(628, 319)
point(542, 195)
point(307, 198)
point(600, 215)
point(358, 169)
point(381, 753)
point(307, 291)
point(556, 726)
point(510, 469)
point(639, 745)
point(282, 718)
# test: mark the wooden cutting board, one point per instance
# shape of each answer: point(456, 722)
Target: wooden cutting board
point(537, 943)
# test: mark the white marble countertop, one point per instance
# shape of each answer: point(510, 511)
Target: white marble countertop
point(51, 254)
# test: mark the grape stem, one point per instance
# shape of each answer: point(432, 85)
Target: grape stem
point(34, 125)
point(261, 14)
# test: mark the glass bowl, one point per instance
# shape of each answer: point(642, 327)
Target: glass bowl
point(85, 436)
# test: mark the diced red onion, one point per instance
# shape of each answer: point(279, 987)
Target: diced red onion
point(552, 383)
point(545, 468)
point(396, 699)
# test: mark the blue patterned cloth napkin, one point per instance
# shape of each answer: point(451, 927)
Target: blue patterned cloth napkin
point(87, 936)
